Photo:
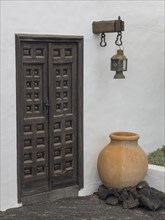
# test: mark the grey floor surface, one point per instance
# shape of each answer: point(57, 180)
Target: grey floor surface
point(79, 208)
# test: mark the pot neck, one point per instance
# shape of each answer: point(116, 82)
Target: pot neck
point(124, 142)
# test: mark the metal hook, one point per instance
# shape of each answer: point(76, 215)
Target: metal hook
point(103, 42)
point(118, 41)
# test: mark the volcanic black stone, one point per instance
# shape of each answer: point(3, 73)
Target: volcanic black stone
point(112, 200)
point(130, 203)
point(150, 204)
point(133, 191)
point(163, 204)
point(104, 192)
point(152, 193)
point(141, 185)
point(124, 195)
point(151, 198)
point(131, 197)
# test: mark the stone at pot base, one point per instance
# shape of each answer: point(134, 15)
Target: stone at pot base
point(105, 192)
point(152, 204)
point(131, 197)
point(112, 200)
point(130, 203)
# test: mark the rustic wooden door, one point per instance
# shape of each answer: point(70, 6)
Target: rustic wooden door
point(49, 113)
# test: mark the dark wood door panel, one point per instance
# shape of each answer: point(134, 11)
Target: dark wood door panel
point(33, 90)
point(34, 50)
point(61, 86)
point(63, 142)
point(34, 126)
point(63, 52)
point(64, 160)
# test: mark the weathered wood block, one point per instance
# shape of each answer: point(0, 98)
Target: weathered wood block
point(107, 26)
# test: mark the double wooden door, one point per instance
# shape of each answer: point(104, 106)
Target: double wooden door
point(49, 112)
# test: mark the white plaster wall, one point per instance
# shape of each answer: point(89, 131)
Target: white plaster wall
point(134, 104)
point(156, 177)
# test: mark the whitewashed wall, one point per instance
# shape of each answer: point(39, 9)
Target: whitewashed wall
point(134, 104)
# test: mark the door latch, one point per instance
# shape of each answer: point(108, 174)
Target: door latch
point(47, 105)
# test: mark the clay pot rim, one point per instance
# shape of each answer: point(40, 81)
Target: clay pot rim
point(124, 135)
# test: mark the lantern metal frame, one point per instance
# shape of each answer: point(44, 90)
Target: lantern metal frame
point(119, 64)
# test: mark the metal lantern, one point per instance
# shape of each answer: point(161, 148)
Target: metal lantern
point(119, 64)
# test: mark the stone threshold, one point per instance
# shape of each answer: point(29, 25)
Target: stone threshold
point(51, 196)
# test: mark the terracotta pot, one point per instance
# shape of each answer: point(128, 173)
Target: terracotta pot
point(122, 162)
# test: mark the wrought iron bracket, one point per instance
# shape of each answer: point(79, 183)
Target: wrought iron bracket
point(102, 27)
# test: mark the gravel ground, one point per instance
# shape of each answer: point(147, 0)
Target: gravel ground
point(79, 208)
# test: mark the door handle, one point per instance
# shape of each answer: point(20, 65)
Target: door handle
point(47, 105)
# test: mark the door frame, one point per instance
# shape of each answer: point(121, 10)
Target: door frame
point(19, 38)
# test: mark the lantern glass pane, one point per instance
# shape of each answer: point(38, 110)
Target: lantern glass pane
point(120, 65)
point(114, 64)
point(124, 65)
